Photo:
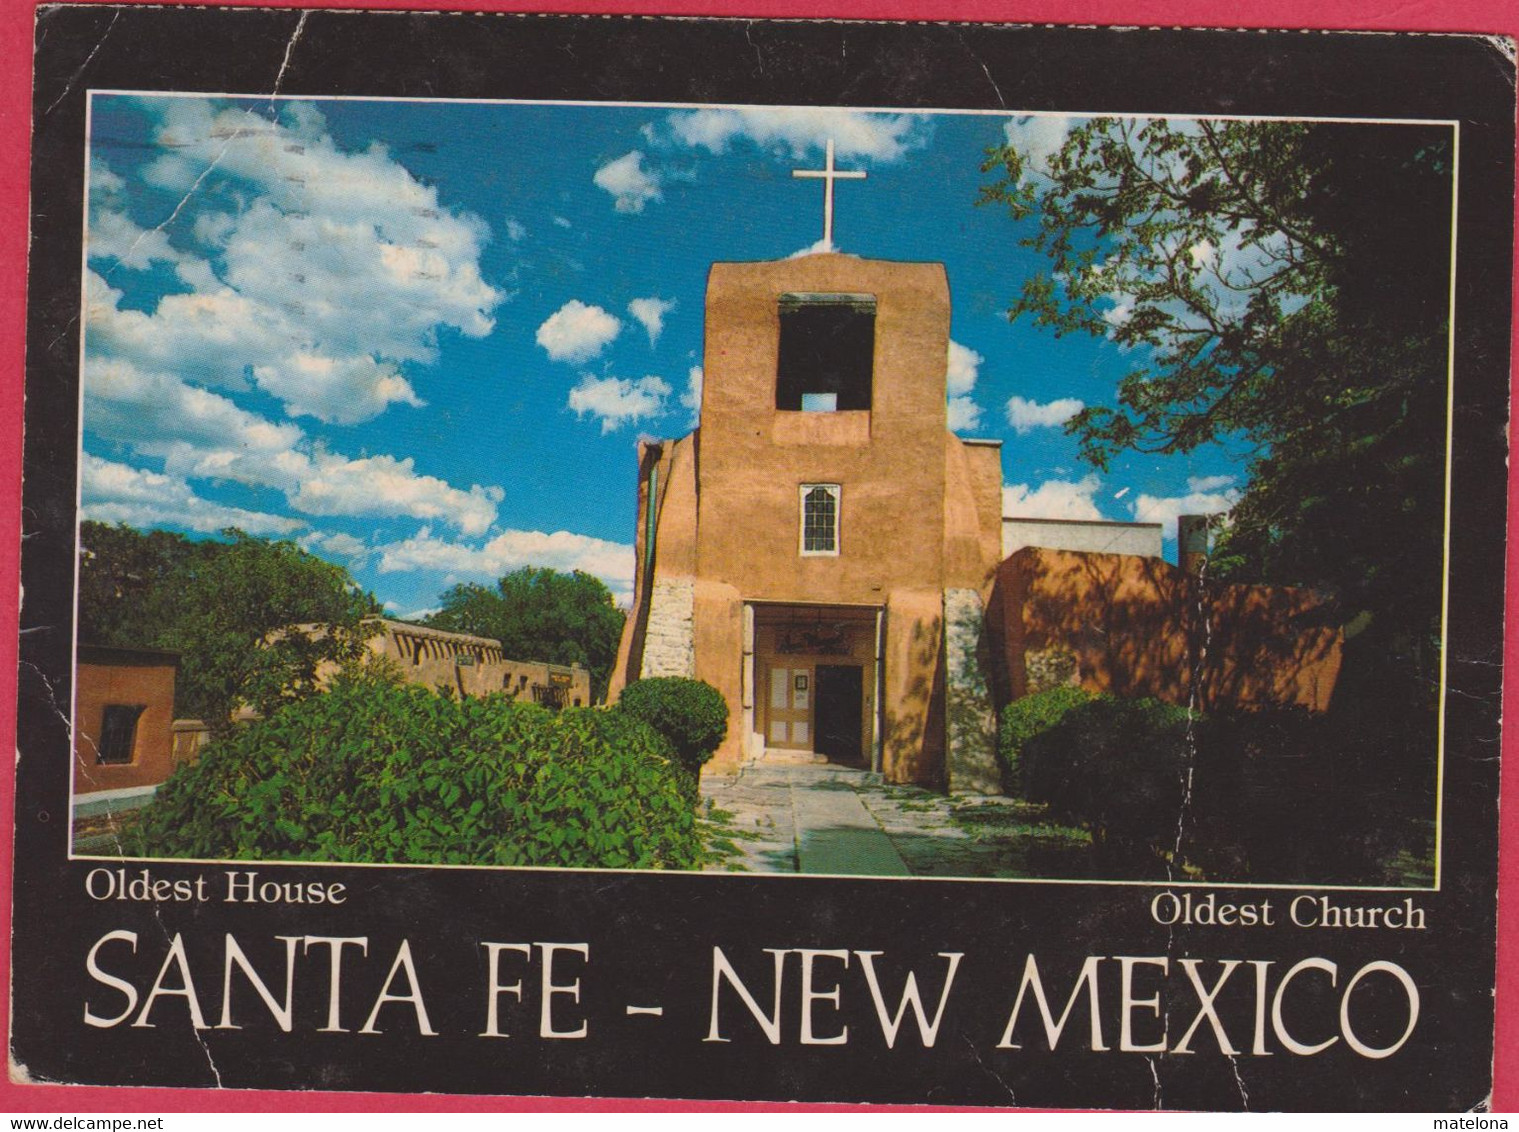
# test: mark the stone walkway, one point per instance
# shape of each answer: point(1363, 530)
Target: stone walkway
point(834, 820)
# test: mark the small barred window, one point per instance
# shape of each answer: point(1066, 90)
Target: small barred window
point(118, 733)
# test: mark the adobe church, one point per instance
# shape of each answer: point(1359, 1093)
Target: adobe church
point(801, 549)
point(822, 549)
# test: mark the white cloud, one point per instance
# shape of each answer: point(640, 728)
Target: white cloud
point(412, 615)
point(103, 179)
point(799, 130)
point(118, 493)
point(202, 434)
point(1038, 137)
point(516, 231)
point(114, 235)
point(691, 398)
point(1208, 483)
point(1025, 416)
point(335, 268)
point(1053, 499)
point(561, 222)
point(612, 562)
point(651, 313)
point(339, 390)
point(1228, 262)
point(336, 485)
point(1120, 312)
point(1206, 495)
point(156, 413)
point(962, 414)
point(822, 247)
point(631, 185)
point(616, 401)
point(963, 368)
point(353, 551)
point(209, 337)
point(577, 332)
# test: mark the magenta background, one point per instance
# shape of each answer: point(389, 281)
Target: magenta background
point(1492, 16)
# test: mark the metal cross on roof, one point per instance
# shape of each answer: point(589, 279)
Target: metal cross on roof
point(829, 175)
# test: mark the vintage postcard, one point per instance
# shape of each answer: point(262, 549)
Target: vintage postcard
point(762, 561)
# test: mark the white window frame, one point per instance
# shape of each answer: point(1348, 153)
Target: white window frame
point(837, 492)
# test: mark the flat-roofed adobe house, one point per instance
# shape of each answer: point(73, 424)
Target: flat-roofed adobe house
point(465, 664)
point(123, 717)
point(123, 735)
point(475, 666)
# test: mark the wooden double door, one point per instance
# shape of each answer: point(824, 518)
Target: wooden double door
point(814, 706)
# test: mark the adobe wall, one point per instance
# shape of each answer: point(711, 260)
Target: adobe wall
point(669, 644)
point(972, 542)
point(912, 692)
point(1134, 627)
point(983, 465)
point(718, 653)
point(971, 738)
point(130, 677)
point(1078, 534)
point(474, 666)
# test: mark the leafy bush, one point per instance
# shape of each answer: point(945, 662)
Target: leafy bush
point(1276, 795)
point(376, 772)
point(1030, 716)
point(1289, 797)
point(1117, 767)
point(691, 714)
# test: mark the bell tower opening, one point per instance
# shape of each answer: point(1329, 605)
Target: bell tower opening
point(826, 356)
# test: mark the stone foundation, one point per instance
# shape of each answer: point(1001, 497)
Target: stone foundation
point(670, 642)
point(970, 723)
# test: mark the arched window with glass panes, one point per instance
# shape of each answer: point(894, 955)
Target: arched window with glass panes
point(820, 519)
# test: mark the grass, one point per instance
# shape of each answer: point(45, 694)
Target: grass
point(1010, 818)
point(720, 840)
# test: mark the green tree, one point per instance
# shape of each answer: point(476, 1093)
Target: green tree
point(122, 571)
point(541, 614)
point(229, 608)
point(257, 621)
point(1283, 289)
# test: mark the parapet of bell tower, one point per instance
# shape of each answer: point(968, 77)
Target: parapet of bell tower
point(824, 369)
point(905, 307)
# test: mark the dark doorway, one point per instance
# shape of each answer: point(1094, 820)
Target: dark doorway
point(840, 698)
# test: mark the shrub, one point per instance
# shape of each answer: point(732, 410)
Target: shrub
point(691, 714)
point(376, 772)
point(1289, 797)
point(1030, 716)
point(1117, 767)
point(1272, 795)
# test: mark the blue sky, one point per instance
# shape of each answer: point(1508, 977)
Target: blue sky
point(422, 339)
